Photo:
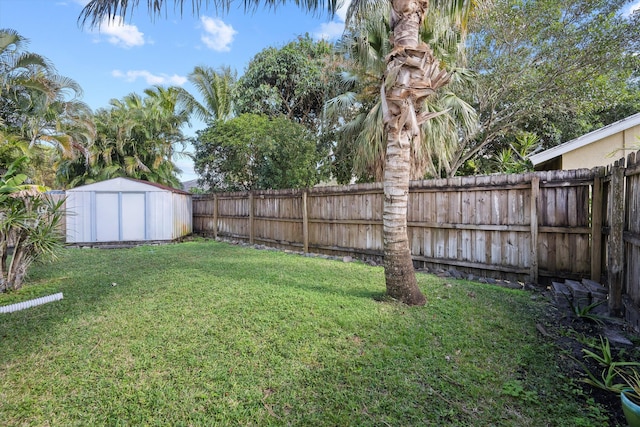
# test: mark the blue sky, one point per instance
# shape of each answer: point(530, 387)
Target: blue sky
point(134, 54)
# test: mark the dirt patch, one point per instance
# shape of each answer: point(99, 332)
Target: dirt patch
point(573, 334)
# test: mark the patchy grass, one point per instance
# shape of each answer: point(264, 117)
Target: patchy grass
point(205, 333)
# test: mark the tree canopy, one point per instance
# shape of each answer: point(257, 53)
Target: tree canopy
point(251, 152)
point(136, 137)
point(293, 81)
point(555, 69)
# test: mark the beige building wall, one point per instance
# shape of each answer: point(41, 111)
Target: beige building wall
point(602, 152)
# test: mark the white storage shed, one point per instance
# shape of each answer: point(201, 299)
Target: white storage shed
point(125, 209)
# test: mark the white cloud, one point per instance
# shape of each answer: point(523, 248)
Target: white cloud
point(150, 78)
point(121, 34)
point(334, 29)
point(342, 11)
point(633, 8)
point(329, 30)
point(217, 35)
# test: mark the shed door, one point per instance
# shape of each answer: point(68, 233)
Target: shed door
point(120, 217)
point(133, 216)
point(107, 217)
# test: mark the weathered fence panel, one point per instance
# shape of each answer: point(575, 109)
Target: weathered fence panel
point(278, 218)
point(472, 223)
point(233, 215)
point(346, 219)
point(615, 234)
point(564, 223)
point(631, 234)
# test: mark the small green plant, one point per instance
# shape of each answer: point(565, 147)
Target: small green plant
point(514, 388)
point(631, 386)
point(605, 348)
point(28, 226)
point(611, 371)
point(586, 312)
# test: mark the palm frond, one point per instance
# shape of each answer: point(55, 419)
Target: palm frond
point(96, 10)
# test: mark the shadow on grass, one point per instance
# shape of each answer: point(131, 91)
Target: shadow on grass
point(362, 287)
point(86, 278)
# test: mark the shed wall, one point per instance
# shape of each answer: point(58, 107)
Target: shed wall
point(78, 217)
point(182, 224)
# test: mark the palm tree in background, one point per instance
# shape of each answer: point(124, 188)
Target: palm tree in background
point(39, 108)
point(136, 137)
point(413, 74)
point(216, 89)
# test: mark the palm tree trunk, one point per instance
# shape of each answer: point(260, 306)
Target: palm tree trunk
point(412, 75)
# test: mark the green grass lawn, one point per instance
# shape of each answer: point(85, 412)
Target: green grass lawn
point(205, 333)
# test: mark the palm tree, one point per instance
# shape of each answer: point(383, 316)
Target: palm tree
point(412, 75)
point(367, 44)
point(136, 137)
point(411, 79)
point(52, 119)
point(20, 70)
point(216, 89)
point(39, 109)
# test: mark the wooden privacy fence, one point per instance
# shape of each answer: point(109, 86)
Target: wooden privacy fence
point(533, 226)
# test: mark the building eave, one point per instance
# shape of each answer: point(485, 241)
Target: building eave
point(586, 139)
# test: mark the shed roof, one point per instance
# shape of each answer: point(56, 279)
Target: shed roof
point(131, 184)
point(586, 139)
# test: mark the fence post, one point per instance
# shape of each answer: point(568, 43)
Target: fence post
point(535, 190)
point(305, 223)
point(616, 244)
point(596, 229)
point(251, 217)
point(215, 216)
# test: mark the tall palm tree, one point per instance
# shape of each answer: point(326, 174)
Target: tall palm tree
point(412, 75)
point(216, 89)
point(366, 43)
point(39, 108)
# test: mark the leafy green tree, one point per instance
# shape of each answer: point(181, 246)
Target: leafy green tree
point(294, 81)
point(251, 152)
point(554, 68)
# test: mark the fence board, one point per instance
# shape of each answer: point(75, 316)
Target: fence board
point(632, 228)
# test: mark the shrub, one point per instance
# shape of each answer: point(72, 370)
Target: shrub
point(28, 225)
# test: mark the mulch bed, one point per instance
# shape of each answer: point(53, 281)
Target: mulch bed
point(571, 333)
